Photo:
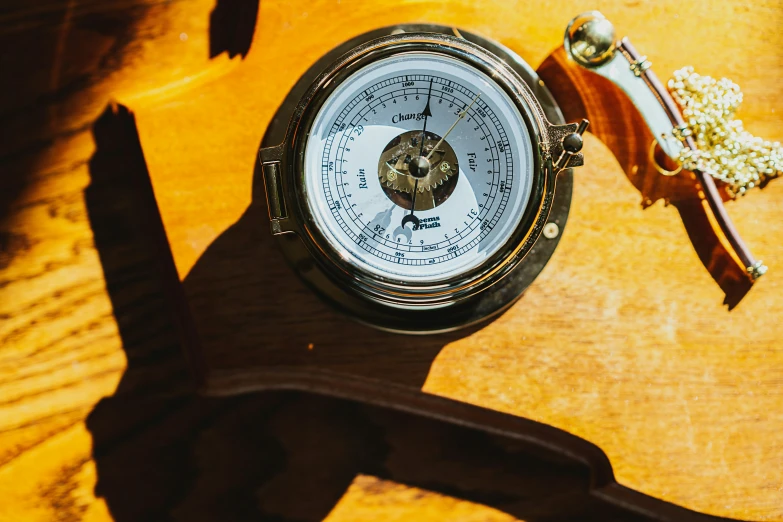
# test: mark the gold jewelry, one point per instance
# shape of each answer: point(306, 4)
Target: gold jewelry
point(725, 149)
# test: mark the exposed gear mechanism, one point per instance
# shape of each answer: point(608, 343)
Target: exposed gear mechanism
point(393, 167)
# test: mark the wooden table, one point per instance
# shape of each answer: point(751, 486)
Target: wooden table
point(93, 385)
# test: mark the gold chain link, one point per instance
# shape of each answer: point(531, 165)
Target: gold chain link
point(725, 149)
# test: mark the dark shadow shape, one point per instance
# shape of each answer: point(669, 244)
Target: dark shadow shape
point(231, 27)
point(48, 59)
point(164, 453)
point(126, 230)
point(617, 123)
point(253, 314)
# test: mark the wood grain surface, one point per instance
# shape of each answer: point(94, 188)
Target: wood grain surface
point(623, 340)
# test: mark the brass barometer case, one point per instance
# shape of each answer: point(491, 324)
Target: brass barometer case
point(388, 302)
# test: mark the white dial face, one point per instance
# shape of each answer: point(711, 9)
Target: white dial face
point(404, 187)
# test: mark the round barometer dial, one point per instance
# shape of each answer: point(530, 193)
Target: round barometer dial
point(414, 176)
point(418, 167)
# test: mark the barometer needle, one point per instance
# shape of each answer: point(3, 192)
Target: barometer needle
point(413, 202)
point(426, 113)
point(459, 117)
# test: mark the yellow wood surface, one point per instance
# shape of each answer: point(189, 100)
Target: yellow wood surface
point(622, 340)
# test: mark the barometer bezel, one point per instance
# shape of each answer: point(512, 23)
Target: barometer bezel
point(385, 301)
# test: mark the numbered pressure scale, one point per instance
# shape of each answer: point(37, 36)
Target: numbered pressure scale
point(410, 173)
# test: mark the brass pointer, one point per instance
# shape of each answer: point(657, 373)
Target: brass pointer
point(459, 117)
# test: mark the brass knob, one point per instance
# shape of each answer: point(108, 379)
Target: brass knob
point(590, 39)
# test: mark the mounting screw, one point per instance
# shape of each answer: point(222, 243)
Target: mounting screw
point(551, 230)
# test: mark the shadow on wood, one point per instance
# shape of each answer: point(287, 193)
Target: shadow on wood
point(231, 27)
point(49, 60)
point(616, 122)
point(163, 452)
point(252, 313)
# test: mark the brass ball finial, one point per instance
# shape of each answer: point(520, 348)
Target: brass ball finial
point(590, 39)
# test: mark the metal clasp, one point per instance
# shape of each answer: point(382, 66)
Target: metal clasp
point(640, 65)
point(681, 132)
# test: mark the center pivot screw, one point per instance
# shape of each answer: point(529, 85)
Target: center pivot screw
point(419, 167)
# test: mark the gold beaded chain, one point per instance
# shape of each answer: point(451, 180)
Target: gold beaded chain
point(725, 149)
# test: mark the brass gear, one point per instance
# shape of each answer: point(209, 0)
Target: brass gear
point(393, 169)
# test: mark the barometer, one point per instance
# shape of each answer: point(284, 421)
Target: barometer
point(410, 173)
